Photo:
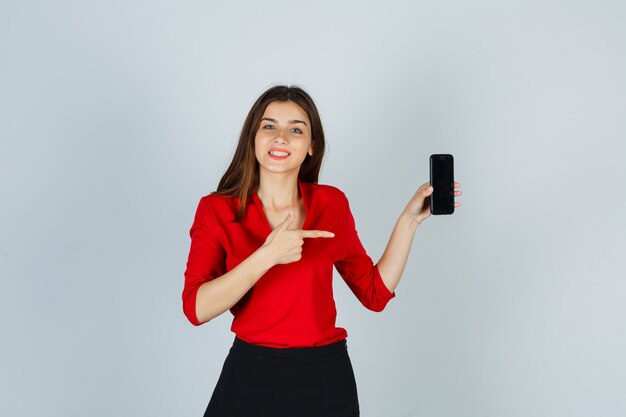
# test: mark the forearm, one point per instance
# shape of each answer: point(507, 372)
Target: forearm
point(220, 294)
point(392, 262)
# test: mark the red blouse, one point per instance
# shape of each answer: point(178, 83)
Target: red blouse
point(291, 305)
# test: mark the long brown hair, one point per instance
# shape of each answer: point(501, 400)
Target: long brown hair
point(241, 179)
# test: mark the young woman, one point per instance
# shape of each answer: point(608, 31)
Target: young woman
point(264, 246)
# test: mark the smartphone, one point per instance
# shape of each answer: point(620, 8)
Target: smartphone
point(442, 181)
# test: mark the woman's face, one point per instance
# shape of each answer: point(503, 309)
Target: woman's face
point(285, 129)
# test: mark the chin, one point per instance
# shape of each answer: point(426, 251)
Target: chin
point(279, 169)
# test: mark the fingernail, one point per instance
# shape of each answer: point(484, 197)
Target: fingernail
point(332, 234)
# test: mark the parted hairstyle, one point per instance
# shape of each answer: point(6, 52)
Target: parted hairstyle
point(241, 179)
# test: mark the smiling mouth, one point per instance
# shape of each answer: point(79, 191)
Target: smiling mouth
point(277, 154)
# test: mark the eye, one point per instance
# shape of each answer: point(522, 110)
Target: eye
point(298, 130)
point(268, 126)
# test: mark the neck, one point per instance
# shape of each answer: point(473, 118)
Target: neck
point(278, 192)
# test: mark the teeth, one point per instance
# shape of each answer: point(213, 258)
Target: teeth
point(276, 153)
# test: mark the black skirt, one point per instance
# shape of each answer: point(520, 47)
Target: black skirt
point(261, 381)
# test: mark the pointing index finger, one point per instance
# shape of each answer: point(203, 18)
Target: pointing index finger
point(316, 233)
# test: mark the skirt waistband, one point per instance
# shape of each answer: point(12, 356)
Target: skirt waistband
point(293, 352)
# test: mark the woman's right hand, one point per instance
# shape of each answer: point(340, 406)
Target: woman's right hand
point(284, 246)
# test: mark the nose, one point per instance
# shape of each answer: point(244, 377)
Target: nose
point(280, 137)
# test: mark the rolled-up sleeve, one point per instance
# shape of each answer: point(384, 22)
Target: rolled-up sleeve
point(206, 258)
point(358, 270)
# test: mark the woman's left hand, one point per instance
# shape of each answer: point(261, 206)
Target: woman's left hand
point(418, 207)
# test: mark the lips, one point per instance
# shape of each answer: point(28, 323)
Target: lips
point(279, 150)
point(278, 157)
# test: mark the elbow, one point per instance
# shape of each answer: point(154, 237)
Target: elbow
point(379, 293)
point(197, 312)
point(378, 297)
point(191, 315)
point(189, 308)
point(193, 318)
point(376, 302)
point(194, 322)
point(376, 307)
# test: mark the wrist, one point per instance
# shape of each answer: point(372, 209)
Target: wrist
point(263, 258)
point(408, 220)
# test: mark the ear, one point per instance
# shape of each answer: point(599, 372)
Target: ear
point(311, 150)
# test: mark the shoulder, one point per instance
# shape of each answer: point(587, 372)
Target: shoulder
point(327, 193)
point(215, 201)
point(326, 189)
point(217, 206)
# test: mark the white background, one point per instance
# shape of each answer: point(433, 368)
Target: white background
point(117, 116)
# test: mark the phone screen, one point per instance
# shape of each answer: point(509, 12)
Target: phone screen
point(442, 181)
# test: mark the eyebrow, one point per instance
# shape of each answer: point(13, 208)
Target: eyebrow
point(290, 121)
